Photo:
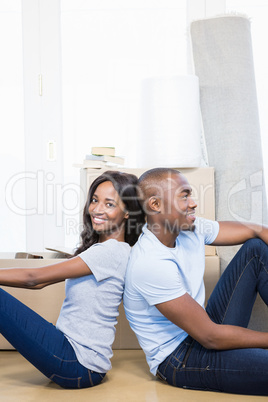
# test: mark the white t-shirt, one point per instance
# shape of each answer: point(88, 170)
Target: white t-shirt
point(88, 315)
point(156, 274)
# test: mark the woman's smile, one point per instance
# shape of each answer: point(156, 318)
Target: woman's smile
point(98, 219)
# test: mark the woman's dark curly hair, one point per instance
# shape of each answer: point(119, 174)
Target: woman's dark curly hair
point(126, 186)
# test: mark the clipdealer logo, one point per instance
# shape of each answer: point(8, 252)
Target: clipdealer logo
point(250, 193)
point(44, 196)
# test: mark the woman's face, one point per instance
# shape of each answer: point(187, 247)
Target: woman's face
point(107, 212)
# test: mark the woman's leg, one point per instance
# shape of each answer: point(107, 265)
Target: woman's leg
point(42, 344)
point(243, 371)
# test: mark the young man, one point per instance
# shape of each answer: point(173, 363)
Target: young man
point(186, 345)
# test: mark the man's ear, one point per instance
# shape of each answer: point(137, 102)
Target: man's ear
point(154, 203)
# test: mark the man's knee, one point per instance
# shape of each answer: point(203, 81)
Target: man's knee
point(256, 245)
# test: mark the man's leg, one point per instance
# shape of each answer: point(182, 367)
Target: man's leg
point(233, 298)
point(242, 371)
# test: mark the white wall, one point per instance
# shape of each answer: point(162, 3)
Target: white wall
point(92, 56)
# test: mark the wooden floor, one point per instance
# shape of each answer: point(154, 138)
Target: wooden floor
point(129, 380)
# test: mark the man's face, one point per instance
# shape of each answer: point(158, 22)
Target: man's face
point(178, 207)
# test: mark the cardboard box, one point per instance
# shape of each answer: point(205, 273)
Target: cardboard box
point(47, 302)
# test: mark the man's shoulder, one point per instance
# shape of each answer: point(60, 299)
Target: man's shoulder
point(148, 246)
point(147, 256)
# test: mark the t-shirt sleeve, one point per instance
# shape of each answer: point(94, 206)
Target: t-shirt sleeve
point(209, 229)
point(159, 284)
point(104, 259)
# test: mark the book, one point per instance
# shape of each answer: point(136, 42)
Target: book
point(96, 157)
point(93, 164)
point(110, 151)
point(117, 160)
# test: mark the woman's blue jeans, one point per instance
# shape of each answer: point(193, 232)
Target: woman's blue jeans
point(42, 344)
point(241, 371)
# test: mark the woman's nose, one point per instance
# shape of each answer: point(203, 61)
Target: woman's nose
point(99, 208)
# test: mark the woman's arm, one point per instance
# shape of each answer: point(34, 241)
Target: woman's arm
point(187, 314)
point(37, 278)
point(231, 233)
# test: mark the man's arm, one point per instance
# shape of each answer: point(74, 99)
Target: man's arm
point(187, 314)
point(232, 233)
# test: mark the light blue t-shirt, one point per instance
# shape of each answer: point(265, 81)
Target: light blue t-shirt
point(156, 274)
point(90, 309)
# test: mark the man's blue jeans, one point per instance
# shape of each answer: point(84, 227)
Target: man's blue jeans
point(241, 371)
point(42, 344)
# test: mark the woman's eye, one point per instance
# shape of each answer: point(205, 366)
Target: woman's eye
point(110, 205)
point(93, 201)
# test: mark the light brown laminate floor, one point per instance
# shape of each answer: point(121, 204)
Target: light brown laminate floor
point(129, 380)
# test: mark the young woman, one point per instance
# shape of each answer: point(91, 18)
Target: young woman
point(76, 352)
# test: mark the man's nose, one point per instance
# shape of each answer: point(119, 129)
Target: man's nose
point(192, 203)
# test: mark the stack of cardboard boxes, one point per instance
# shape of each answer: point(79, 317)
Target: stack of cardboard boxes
point(48, 301)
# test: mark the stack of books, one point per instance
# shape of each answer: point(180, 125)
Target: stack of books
point(102, 157)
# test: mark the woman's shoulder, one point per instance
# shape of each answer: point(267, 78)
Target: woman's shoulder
point(114, 248)
point(113, 243)
point(106, 258)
